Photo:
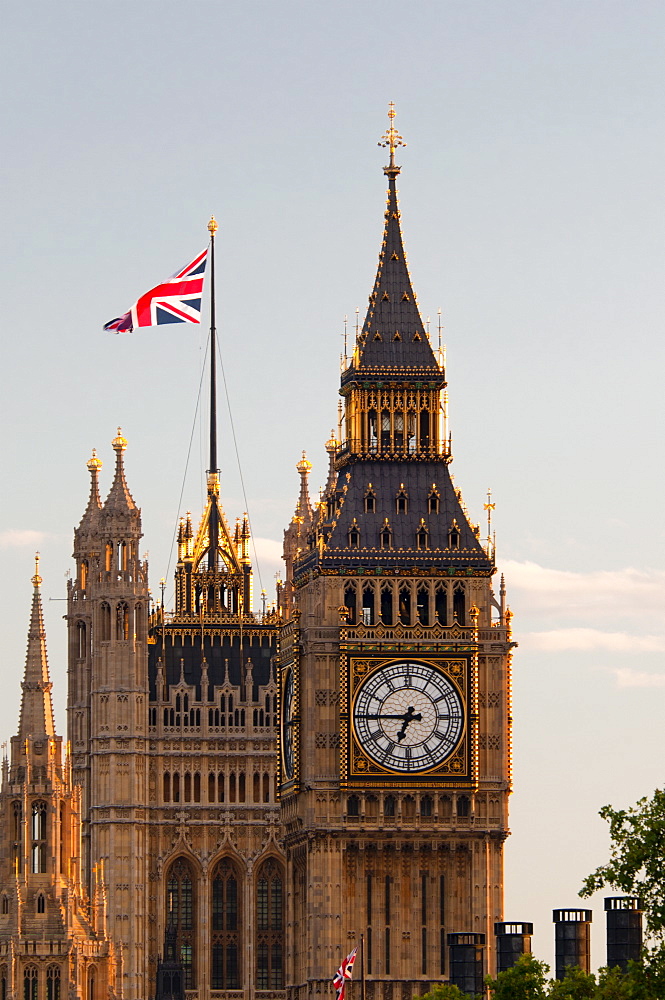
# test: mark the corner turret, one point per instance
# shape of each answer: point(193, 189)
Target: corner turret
point(36, 720)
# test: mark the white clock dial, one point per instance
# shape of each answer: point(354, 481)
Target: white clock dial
point(408, 716)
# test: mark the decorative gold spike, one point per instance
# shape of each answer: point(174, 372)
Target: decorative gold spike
point(212, 226)
point(391, 138)
point(36, 580)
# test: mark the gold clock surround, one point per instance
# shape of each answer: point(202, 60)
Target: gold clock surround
point(457, 770)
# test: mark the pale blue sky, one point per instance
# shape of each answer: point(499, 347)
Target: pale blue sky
point(531, 200)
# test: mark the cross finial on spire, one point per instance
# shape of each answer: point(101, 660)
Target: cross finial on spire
point(391, 139)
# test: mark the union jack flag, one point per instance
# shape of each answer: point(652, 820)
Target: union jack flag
point(176, 300)
point(343, 974)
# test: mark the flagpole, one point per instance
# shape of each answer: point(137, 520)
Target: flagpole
point(213, 527)
point(362, 967)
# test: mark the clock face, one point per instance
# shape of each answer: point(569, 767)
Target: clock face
point(408, 716)
point(287, 726)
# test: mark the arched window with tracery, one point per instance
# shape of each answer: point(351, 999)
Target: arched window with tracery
point(38, 836)
point(17, 811)
point(122, 621)
point(181, 915)
point(270, 926)
point(225, 965)
point(105, 623)
point(53, 982)
point(30, 982)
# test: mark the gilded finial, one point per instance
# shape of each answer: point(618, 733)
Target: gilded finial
point(391, 139)
point(36, 580)
point(119, 443)
point(304, 465)
point(94, 463)
point(212, 226)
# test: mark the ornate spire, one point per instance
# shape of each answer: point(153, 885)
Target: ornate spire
point(119, 498)
point(332, 444)
point(304, 506)
point(36, 719)
point(393, 335)
point(94, 501)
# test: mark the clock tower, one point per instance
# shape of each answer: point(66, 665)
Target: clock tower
point(395, 676)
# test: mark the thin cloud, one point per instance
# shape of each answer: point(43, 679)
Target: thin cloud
point(611, 593)
point(590, 639)
point(627, 678)
point(16, 539)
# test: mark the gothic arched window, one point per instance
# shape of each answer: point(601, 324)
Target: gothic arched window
point(30, 982)
point(82, 644)
point(459, 604)
point(270, 927)
point(226, 927)
point(3, 982)
point(105, 623)
point(41, 903)
point(53, 982)
point(38, 837)
point(181, 915)
point(122, 621)
point(387, 605)
point(18, 836)
point(350, 602)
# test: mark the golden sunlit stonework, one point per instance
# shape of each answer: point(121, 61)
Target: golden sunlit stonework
point(256, 790)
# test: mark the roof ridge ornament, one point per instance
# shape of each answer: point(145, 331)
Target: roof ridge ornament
point(391, 139)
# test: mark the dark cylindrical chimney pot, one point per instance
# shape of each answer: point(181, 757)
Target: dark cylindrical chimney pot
point(467, 961)
point(624, 930)
point(512, 940)
point(572, 940)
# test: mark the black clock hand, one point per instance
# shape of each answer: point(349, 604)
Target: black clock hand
point(401, 716)
point(408, 717)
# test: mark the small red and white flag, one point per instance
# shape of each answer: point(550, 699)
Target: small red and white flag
point(344, 973)
point(176, 300)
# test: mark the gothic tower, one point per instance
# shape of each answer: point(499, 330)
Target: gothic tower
point(107, 709)
point(217, 864)
point(395, 677)
point(53, 943)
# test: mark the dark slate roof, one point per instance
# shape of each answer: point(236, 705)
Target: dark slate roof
point(387, 479)
point(393, 335)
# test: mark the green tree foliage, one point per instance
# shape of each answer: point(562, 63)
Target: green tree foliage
point(444, 991)
point(526, 980)
point(576, 985)
point(637, 850)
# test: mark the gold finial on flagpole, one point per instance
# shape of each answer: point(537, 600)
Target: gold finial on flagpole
point(212, 226)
